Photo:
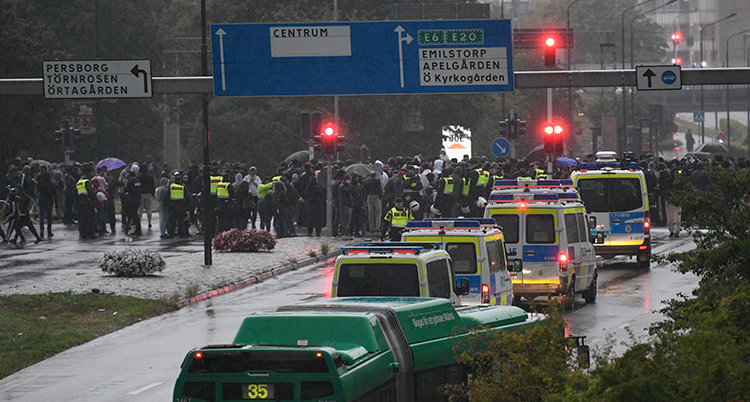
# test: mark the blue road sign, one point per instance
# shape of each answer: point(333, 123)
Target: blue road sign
point(362, 58)
point(500, 147)
point(699, 117)
point(669, 77)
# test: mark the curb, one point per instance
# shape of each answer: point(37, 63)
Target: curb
point(272, 273)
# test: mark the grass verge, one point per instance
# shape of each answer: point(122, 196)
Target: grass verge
point(36, 327)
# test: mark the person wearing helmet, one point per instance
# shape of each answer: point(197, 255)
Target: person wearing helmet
point(412, 184)
point(177, 207)
point(444, 199)
point(395, 221)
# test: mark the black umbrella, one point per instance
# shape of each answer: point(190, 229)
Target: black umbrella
point(302, 156)
point(537, 153)
point(361, 169)
point(712, 148)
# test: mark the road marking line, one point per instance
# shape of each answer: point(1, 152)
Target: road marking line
point(147, 387)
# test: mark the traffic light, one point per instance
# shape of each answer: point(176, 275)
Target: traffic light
point(503, 128)
point(316, 122)
point(65, 134)
point(550, 50)
point(677, 61)
point(676, 37)
point(75, 134)
point(329, 136)
point(553, 138)
point(305, 126)
point(521, 127)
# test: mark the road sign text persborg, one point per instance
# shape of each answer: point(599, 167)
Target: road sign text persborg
point(94, 79)
point(362, 58)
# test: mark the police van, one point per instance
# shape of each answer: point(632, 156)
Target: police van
point(477, 249)
point(616, 196)
point(397, 269)
point(546, 231)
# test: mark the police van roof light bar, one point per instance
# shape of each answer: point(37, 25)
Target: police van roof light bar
point(395, 250)
point(525, 183)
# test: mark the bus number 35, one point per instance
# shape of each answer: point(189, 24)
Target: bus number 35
point(257, 391)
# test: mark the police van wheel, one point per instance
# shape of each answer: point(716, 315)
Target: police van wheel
point(590, 294)
point(569, 298)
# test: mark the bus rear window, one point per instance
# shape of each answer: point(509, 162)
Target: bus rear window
point(378, 280)
point(611, 194)
point(240, 362)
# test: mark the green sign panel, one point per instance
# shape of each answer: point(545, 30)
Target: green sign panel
point(451, 37)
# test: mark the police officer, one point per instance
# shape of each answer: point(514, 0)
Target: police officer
point(84, 205)
point(444, 193)
point(412, 185)
point(177, 208)
point(224, 195)
point(395, 221)
point(478, 180)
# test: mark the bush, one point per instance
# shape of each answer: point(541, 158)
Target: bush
point(244, 240)
point(132, 262)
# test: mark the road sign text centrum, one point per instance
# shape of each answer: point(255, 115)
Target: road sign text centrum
point(362, 58)
point(451, 37)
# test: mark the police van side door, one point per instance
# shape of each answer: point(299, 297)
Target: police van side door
point(510, 221)
point(501, 284)
point(573, 237)
point(541, 245)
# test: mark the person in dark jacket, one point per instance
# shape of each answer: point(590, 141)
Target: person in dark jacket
point(700, 179)
point(335, 183)
point(148, 189)
point(22, 209)
point(346, 204)
point(47, 200)
point(132, 197)
point(278, 208)
point(359, 202)
point(374, 188)
point(315, 206)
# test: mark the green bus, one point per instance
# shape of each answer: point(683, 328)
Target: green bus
point(365, 349)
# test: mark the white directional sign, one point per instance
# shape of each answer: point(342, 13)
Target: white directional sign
point(97, 79)
point(651, 78)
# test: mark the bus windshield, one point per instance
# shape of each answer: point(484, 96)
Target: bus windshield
point(378, 279)
point(611, 194)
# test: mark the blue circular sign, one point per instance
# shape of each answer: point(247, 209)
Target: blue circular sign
point(501, 147)
point(669, 77)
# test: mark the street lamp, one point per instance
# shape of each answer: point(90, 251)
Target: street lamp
point(702, 28)
point(569, 44)
point(639, 16)
point(621, 140)
point(729, 126)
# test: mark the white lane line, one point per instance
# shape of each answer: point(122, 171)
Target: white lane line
point(147, 387)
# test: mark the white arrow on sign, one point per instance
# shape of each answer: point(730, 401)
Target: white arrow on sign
point(408, 40)
point(502, 149)
point(221, 34)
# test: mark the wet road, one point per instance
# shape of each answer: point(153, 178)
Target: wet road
point(141, 362)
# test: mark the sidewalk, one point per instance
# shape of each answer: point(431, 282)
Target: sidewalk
point(65, 263)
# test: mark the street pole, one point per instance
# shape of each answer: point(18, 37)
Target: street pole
point(632, 93)
point(703, 106)
point(623, 138)
point(208, 210)
point(729, 126)
point(569, 45)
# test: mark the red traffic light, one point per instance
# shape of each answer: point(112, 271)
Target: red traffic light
point(677, 61)
point(676, 37)
point(553, 129)
point(550, 49)
point(328, 130)
point(549, 41)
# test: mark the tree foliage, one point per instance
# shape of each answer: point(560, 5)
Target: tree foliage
point(701, 352)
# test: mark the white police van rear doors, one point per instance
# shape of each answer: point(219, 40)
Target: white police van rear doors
point(618, 199)
point(478, 253)
point(545, 227)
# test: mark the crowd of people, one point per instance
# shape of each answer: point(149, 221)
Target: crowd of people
point(381, 201)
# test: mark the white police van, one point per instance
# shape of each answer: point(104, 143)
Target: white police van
point(477, 248)
point(397, 269)
point(546, 231)
point(616, 196)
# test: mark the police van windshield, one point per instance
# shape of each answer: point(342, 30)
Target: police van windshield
point(378, 280)
point(611, 194)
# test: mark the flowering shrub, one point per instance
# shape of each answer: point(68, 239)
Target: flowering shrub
point(244, 240)
point(132, 262)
